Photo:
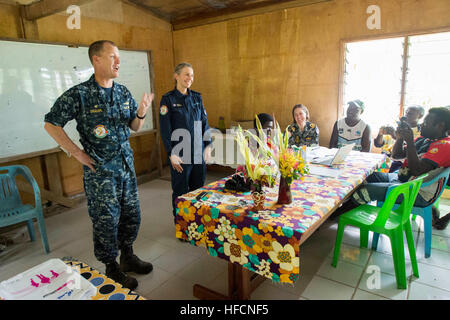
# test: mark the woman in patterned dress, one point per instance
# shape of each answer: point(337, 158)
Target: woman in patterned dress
point(302, 131)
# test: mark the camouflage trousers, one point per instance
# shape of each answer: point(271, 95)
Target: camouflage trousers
point(113, 205)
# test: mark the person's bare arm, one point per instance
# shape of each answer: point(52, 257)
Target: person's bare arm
point(136, 124)
point(334, 137)
point(378, 141)
point(398, 150)
point(366, 140)
point(61, 138)
point(416, 165)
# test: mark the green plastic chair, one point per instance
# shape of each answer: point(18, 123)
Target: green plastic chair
point(424, 212)
point(387, 221)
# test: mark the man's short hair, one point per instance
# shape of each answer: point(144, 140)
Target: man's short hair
point(442, 114)
point(357, 103)
point(263, 118)
point(419, 109)
point(96, 48)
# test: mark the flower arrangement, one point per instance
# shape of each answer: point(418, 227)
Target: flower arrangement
point(290, 161)
point(258, 169)
point(292, 166)
point(271, 155)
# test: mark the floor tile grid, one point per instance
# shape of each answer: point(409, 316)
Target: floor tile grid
point(416, 233)
point(410, 277)
point(436, 234)
point(32, 253)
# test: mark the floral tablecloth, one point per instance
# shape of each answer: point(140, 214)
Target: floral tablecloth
point(266, 242)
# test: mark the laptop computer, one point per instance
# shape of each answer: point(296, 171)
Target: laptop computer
point(337, 158)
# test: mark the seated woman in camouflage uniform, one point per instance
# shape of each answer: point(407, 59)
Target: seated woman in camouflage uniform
point(301, 131)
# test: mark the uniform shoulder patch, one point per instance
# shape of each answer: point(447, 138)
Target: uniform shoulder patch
point(163, 110)
point(100, 131)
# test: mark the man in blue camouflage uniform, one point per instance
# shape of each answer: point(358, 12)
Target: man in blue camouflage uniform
point(105, 111)
point(182, 114)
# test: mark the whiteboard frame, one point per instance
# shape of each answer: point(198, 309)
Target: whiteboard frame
point(73, 45)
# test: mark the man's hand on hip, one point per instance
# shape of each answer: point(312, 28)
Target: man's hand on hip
point(84, 159)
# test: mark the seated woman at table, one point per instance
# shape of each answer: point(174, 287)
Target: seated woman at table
point(302, 132)
point(352, 129)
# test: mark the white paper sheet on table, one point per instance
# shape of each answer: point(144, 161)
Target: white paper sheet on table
point(51, 280)
point(324, 171)
point(319, 152)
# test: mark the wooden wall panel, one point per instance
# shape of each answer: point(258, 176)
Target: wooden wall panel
point(10, 25)
point(278, 59)
point(130, 28)
point(262, 63)
point(206, 49)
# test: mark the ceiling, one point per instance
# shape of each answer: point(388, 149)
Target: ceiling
point(24, 2)
point(177, 12)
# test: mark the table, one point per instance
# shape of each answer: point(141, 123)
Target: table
point(265, 244)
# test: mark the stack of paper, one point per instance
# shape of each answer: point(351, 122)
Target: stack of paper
point(324, 171)
point(51, 280)
point(315, 153)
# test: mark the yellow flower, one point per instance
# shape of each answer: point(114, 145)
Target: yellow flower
point(266, 242)
point(264, 226)
point(289, 276)
point(178, 232)
point(279, 231)
point(187, 211)
point(249, 241)
point(233, 250)
point(284, 256)
point(204, 240)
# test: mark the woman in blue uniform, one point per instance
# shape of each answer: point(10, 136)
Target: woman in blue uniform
point(184, 132)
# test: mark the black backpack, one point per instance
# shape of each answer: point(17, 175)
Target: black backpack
point(237, 183)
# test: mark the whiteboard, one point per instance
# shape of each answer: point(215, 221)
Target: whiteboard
point(34, 75)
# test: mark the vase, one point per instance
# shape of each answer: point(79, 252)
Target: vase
point(284, 192)
point(259, 198)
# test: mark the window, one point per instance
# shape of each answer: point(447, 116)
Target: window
point(428, 76)
point(373, 74)
point(390, 74)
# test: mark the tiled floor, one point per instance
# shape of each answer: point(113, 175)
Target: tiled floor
point(360, 274)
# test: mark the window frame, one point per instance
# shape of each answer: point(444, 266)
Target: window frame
point(405, 35)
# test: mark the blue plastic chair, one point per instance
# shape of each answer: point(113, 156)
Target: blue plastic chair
point(436, 204)
point(12, 210)
point(424, 212)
